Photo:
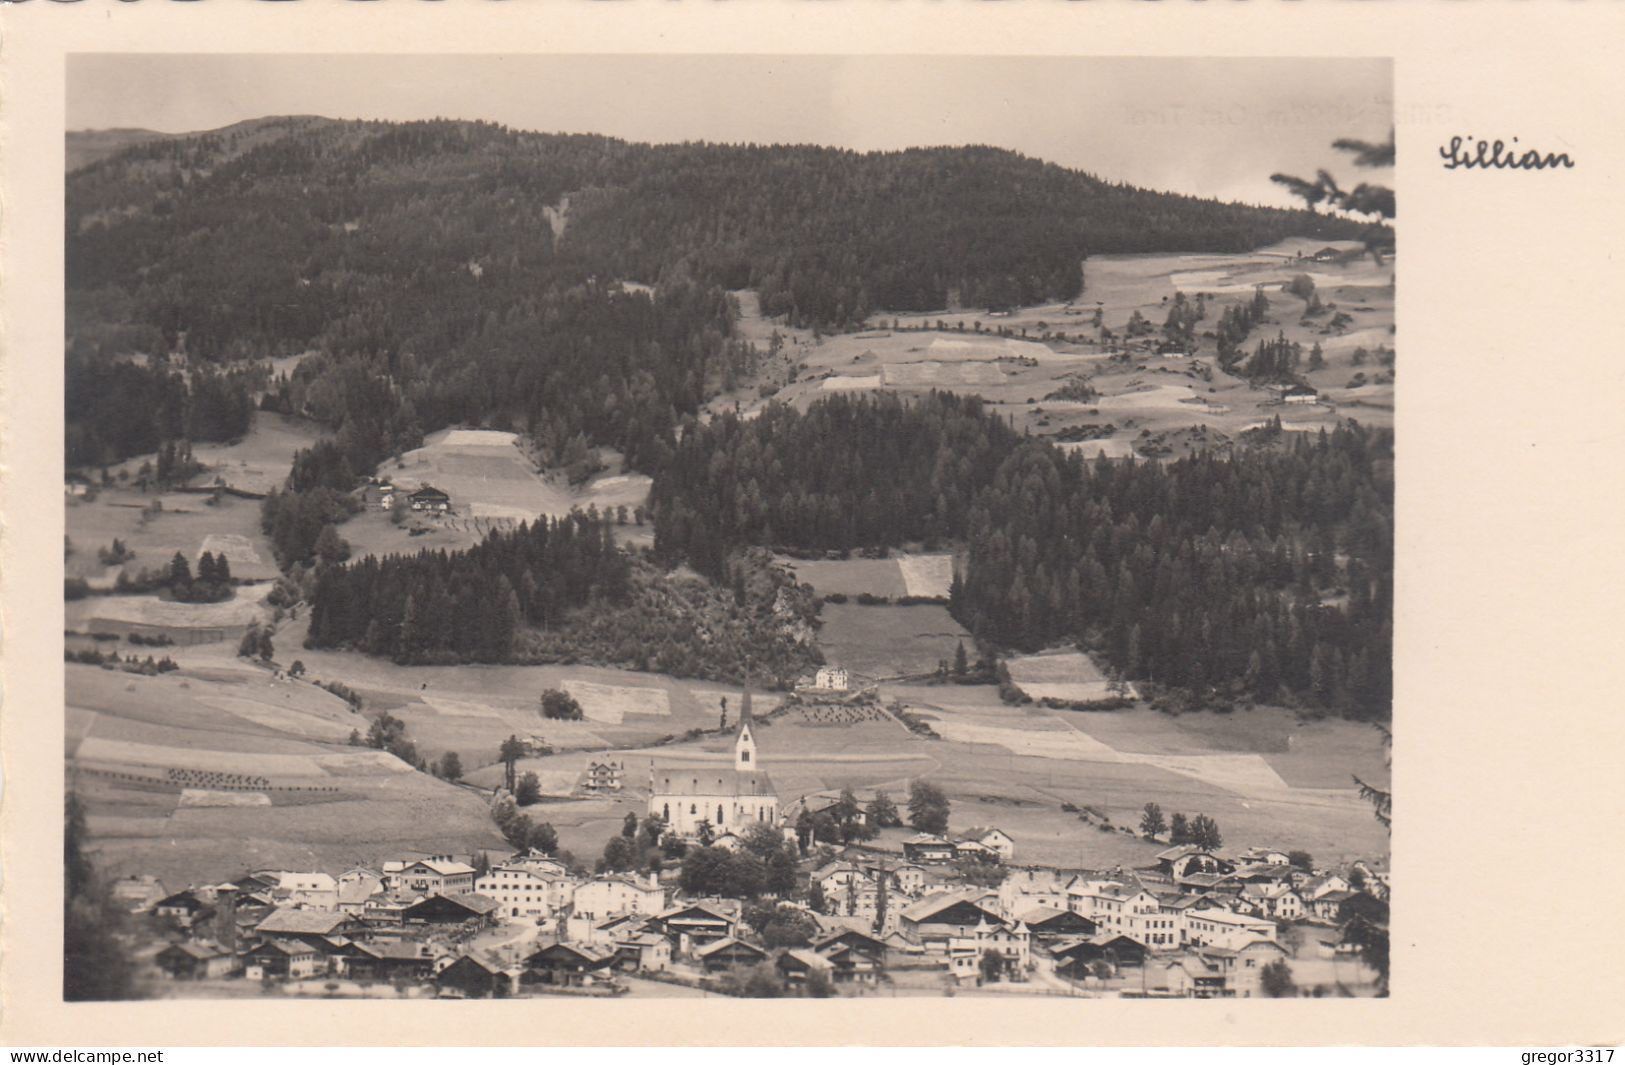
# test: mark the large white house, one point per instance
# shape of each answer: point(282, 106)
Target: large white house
point(728, 799)
point(831, 678)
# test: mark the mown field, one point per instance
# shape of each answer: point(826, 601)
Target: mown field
point(899, 575)
point(889, 641)
point(259, 461)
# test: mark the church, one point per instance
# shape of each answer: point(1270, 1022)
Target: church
point(684, 796)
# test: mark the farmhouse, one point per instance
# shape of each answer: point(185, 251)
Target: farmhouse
point(946, 915)
point(687, 926)
point(440, 875)
point(281, 959)
point(1300, 394)
point(387, 960)
point(685, 797)
point(797, 964)
point(473, 977)
point(183, 908)
point(431, 499)
point(569, 965)
point(727, 952)
point(195, 961)
point(928, 848)
point(602, 776)
point(451, 909)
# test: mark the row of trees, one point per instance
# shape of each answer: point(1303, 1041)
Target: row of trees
point(1262, 572)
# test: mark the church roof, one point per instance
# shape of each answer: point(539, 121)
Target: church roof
point(688, 780)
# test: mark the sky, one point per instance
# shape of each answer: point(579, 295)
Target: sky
point(1209, 127)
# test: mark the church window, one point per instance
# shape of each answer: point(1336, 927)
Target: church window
point(693, 809)
point(665, 813)
point(719, 813)
point(744, 756)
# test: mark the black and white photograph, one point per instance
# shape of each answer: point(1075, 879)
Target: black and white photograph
point(616, 526)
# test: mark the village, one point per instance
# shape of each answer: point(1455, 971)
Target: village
point(954, 912)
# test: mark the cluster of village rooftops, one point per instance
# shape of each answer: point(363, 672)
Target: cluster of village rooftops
point(1196, 923)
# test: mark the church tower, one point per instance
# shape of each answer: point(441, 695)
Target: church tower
point(745, 743)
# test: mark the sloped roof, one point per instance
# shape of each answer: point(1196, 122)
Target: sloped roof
point(196, 950)
point(809, 958)
point(687, 781)
point(726, 943)
point(933, 904)
point(301, 922)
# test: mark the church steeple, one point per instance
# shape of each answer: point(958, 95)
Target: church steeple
point(744, 742)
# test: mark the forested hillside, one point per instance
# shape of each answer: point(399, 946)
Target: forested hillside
point(425, 251)
point(1264, 570)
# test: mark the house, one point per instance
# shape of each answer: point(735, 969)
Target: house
point(195, 961)
point(603, 776)
point(387, 961)
point(281, 959)
point(692, 926)
point(687, 796)
point(1242, 965)
point(569, 965)
point(519, 893)
point(1224, 928)
point(798, 964)
point(1329, 905)
point(1315, 887)
point(1300, 394)
point(183, 909)
point(851, 939)
point(1073, 959)
point(727, 952)
point(1011, 942)
point(1277, 901)
point(431, 499)
point(1185, 976)
point(907, 878)
point(1326, 255)
point(440, 875)
point(355, 888)
point(643, 952)
point(308, 926)
point(929, 849)
point(316, 891)
point(471, 976)
point(997, 841)
point(1267, 855)
point(608, 896)
point(1048, 924)
point(841, 882)
point(942, 916)
point(1187, 859)
point(452, 909)
point(831, 678)
point(852, 966)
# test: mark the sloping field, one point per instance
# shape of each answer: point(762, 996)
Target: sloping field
point(889, 641)
point(929, 575)
point(148, 749)
point(259, 461)
point(188, 524)
point(851, 576)
point(247, 605)
point(1068, 675)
